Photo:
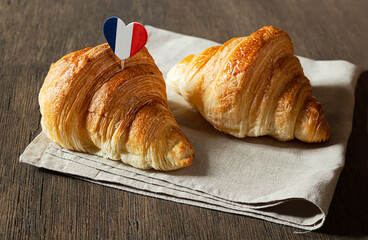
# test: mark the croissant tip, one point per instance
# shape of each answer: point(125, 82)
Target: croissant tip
point(185, 162)
point(321, 134)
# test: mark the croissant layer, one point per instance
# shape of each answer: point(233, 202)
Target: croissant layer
point(90, 104)
point(252, 86)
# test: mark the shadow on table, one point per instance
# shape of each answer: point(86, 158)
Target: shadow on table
point(348, 214)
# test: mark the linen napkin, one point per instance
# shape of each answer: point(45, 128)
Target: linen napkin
point(290, 183)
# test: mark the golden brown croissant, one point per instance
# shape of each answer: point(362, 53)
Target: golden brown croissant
point(252, 86)
point(90, 104)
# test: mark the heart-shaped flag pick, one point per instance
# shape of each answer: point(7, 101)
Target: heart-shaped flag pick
point(125, 41)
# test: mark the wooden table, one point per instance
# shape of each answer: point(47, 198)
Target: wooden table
point(36, 203)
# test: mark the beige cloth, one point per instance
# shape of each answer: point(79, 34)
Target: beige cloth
point(289, 183)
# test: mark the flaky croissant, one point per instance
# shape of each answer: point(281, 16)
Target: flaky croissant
point(90, 104)
point(252, 86)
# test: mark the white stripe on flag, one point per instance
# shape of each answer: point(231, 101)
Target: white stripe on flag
point(123, 41)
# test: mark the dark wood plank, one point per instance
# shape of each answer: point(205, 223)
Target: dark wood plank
point(42, 204)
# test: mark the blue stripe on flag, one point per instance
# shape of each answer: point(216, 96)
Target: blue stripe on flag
point(109, 30)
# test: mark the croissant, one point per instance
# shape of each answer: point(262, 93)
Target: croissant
point(252, 86)
point(90, 104)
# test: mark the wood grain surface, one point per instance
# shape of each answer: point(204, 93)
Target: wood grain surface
point(40, 204)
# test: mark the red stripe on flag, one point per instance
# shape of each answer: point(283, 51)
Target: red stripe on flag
point(139, 38)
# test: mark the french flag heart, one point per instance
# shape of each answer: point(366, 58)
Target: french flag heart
point(125, 41)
